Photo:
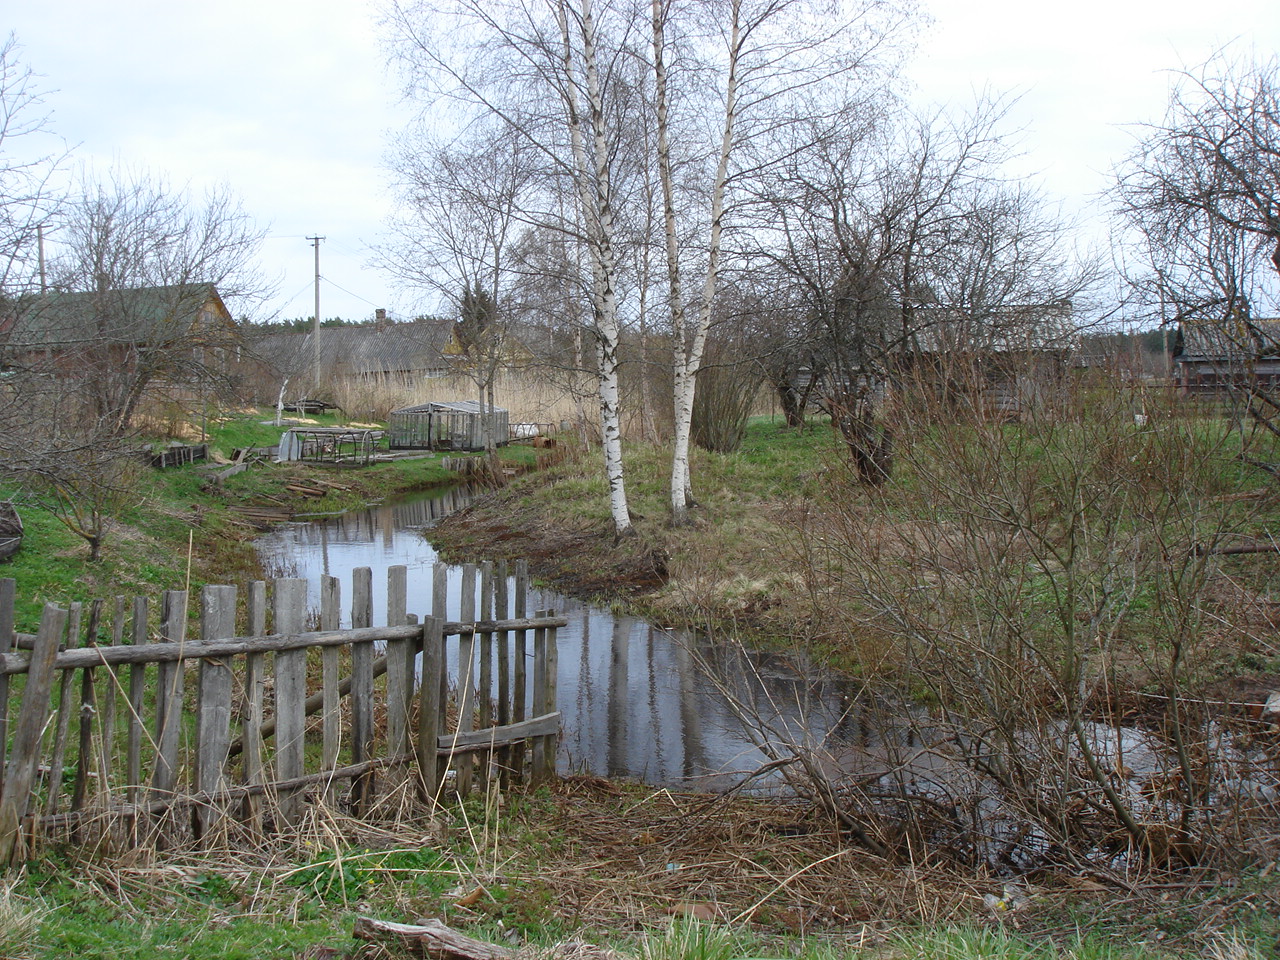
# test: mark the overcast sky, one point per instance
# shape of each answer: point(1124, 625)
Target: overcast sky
point(288, 102)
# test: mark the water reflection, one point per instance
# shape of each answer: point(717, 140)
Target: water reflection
point(635, 699)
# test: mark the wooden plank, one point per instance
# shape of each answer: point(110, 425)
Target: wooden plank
point(255, 680)
point(551, 739)
point(137, 694)
point(24, 754)
point(545, 725)
point(430, 938)
point(213, 703)
point(540, 705)
point(169, 692)
point(466, 676)
point(331, 731)
point(289, 613)
point(399, 655)
point(66, 694)
point(12, 663)
point(439, 609)
point(361, 684)
point(429, 710)
point(8, 596)
point(86, 762)
point(485, 688)
point(501, 606)
point(520, 656)
point(110, 697)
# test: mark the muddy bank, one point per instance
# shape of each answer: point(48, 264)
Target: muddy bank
point(580, 560)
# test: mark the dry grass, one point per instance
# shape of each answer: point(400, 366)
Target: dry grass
point(19, 924)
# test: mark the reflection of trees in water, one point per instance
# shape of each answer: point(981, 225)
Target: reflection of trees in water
point(635, 699)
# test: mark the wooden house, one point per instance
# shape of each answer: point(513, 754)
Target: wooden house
point(1215, 359)
point(121, 346)
point(399, 353)
point(126, 322)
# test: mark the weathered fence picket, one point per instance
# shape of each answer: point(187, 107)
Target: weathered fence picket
point(148, 744)
point(288, 616)
point(24, 749)
point(8, 596)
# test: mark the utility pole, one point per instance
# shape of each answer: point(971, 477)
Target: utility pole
point(315, 321)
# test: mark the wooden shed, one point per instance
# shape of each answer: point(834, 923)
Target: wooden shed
point(452, 425)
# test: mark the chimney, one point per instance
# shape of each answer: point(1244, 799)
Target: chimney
point(380, 317)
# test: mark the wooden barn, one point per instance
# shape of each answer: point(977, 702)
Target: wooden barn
point(452, 425)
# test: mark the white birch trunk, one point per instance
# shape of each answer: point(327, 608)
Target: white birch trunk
point(690, 345)
point(595, 197)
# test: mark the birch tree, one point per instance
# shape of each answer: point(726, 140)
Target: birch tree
point(548, 74)
point(776, 64)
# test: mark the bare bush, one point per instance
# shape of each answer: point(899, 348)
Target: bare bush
point(1012, 599)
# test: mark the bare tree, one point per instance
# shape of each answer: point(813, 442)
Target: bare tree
point(460, 215)
point(1201, 194)
point(909, 243)
point(139, 266)
point(135, 307)
point(29, 158)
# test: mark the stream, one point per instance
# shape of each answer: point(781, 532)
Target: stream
point(648, 703)
point(635, 698)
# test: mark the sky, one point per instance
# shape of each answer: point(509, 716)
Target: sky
point(289, 104)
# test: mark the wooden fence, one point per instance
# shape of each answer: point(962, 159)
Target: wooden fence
point(112, 713)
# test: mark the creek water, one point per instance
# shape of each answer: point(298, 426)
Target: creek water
point(637, 700)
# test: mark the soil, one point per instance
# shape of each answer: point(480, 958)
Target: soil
point(581, 561)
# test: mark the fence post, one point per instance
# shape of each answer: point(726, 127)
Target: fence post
point(428, 738)
point(485, 689)
point(63, 725)
point(540, 707)
point(439, 610)
point(173, 629)
point(361, 684)
point(399, 664)
point(549, 742)
point(137, 693)
point(500, 612)
point(25, 752)
point(330, 619)
point(7, 598)
point(106, 761)
point(466, 676)
point(213, 705)
point(255, 678)
point(88, 712)
point(289, 614)
point(520, 677)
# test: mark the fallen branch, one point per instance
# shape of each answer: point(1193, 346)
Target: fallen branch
point(431, 938)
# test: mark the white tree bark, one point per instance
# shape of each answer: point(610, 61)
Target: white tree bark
point(595, 197)
point(690, 344)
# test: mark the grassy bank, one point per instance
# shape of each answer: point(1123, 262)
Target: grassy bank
point(735, 565)
point(604, 868)
point(779, 542)
point(182, 527)
point(1029, 593)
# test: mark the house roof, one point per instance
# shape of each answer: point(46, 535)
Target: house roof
point(122, 315)
point(454, 406)
point(1009, 329)
point(1201, 341)
point(394, 348)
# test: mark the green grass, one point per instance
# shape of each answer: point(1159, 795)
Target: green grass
point(173, 513)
